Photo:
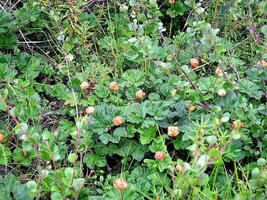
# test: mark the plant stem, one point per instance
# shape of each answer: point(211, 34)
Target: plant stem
point(214, 22)
point(5, 158)
point(237, 179)
point(121, 195)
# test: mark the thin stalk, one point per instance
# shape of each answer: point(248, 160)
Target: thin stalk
point(121, 194)
point(4, 155)
point(238, 186)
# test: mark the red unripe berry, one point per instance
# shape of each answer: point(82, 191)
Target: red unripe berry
point(222, 92)
point(218, 72)
point(191, 108)
point(237, 124)
point(117, 121)
point(173, 131)
point(159, 155)
point(90, 110)
point(120, 184)
point(194, 63)
point(2, 137)
point(85, 85)
point(114, 86)
point(179, 168)
point(263, 63)
point(140, 94)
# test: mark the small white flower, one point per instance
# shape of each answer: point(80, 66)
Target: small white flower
point(45, 172)
point(132, 40)
point(200, 10)
point(123, 8)
point(202, 161)
point(212, 139)
point(70, 57)
point(133, 14)
point(61, 37)
point(23, 137)
point(187, 166)
point(173, 92)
